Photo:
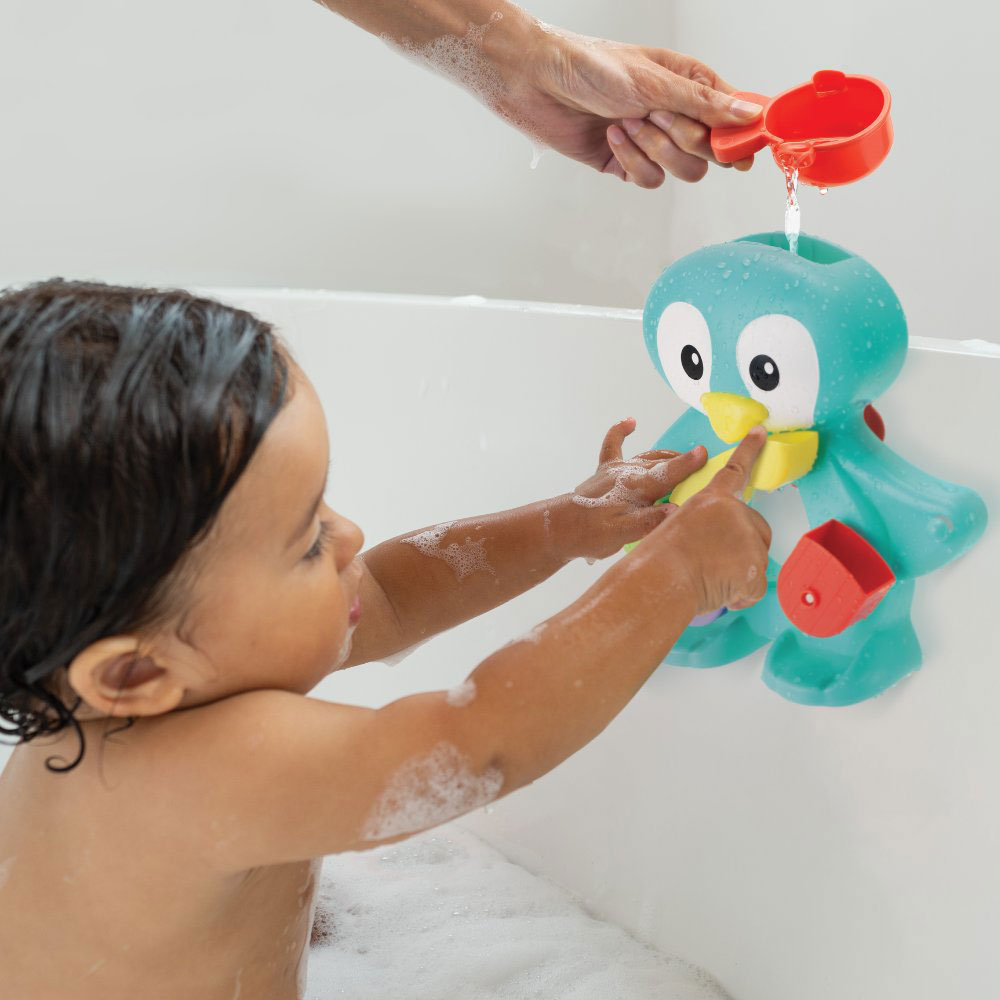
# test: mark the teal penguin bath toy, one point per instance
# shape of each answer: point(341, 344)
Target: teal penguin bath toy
point(747, 333)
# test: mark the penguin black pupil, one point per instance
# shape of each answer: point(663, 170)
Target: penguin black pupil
point(691, 361)
point(764, 373)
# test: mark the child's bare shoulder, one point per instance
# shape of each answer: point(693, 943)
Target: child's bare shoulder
point(271, 776)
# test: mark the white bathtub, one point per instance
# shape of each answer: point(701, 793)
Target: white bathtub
point(796, 853)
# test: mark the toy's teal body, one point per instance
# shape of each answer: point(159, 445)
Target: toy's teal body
point(833, 336)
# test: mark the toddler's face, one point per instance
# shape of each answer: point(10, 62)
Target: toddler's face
point(275, 593)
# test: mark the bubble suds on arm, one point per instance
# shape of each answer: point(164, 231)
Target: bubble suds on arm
point(461, 694)
point(533, 636)
point(460, 59)
point(463, 60)
point(463, 559)
point(619, 493)
point(430, 790)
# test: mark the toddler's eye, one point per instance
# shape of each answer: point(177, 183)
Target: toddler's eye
point(319, 546)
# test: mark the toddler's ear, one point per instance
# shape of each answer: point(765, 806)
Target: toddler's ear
point(114, 677)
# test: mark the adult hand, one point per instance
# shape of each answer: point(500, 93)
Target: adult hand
point(636, 112)
point(629, 110)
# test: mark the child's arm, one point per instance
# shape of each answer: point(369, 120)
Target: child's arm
point(267, 777)
point(427, 581)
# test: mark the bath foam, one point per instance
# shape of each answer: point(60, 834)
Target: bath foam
point(444, 915)
point(619, 493)
point(534, 635)
point(430, 790)
point(463, 559)
point(462, 693)
point(345, 646)
point(460, 59)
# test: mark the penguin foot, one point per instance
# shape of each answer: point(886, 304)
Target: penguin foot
point(815, 672)
point(728, 638)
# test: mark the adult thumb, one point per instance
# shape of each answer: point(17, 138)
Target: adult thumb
point(710, 106)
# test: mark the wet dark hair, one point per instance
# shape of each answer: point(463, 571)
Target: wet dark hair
point(126, 417)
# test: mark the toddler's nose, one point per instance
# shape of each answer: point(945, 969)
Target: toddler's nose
point(351, 541)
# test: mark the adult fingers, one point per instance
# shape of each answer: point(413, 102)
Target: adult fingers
point(687, 134)
point(688, 66)
point(660, 148)
point(615, 168)
point(611, 448)
point(704, 103)
point(637, 166)
point(735, 475)
point(698, 91)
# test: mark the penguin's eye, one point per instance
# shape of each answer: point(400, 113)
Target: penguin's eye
point(684, 345)
point(779, 366)
point(764, 373)
point(691, 362)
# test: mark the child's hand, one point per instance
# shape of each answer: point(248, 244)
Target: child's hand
point(616, 502)
point(720, 541)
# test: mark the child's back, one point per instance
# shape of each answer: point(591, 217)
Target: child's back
point(106, 894)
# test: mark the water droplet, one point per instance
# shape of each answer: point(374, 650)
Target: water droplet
point(824, 190)
point(725, 274)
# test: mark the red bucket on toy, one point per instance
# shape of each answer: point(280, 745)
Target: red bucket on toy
point(832, 580)
point(834, 129)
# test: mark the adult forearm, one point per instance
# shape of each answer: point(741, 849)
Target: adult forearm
point(417, 23)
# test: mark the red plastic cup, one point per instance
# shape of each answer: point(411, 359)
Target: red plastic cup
point(832, 579)
point(834, 129)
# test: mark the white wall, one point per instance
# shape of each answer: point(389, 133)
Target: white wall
point(268, 142)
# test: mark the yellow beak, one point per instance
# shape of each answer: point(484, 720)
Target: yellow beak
point(732, 416)
point(784, 458)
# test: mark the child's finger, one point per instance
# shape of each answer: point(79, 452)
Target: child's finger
point(657, 456)
point(611, 448)
point(665, 476)
point(735, 475)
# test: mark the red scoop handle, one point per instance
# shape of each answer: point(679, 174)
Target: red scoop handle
point(741, 141)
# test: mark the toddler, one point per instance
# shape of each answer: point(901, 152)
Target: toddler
point(174, 585)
